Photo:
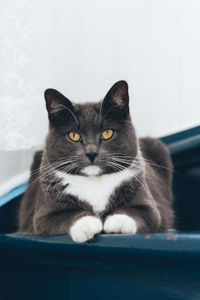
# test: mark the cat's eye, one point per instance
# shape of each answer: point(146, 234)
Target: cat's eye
point(74, 136)
point(107, 134)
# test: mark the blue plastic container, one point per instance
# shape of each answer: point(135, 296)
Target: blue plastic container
point(141, 266)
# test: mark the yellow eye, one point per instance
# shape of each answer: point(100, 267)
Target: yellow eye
point(74, 136)
point(107, 134)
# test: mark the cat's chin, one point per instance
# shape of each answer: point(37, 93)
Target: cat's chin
point(91, 170)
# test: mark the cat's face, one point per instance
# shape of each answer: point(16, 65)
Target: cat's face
point(90, 138)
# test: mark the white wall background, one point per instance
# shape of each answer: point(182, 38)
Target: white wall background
point(82, 47)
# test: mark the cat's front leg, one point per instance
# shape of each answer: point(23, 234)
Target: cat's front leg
point(120, 223)
point(139, 219)
point(85, 228)
point(80, 225)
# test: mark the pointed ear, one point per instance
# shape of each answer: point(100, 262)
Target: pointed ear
point(59, 108)
point(116, 100)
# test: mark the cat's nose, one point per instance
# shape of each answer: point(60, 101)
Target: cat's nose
point(91, 155)
point(91, 151)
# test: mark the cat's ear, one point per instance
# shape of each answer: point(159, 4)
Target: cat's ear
point(116, 100)
point(59, 107)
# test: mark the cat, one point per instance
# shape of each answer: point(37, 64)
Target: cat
point(94, 175)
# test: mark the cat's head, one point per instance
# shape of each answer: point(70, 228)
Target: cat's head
point(90, 139)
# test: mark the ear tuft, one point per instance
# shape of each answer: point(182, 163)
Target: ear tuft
point(120, 93)
point(56, 103)
point(116, 100)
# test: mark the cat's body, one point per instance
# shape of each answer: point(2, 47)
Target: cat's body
point(117, 185)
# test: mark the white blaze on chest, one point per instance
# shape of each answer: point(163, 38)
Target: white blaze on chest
point(95, 190)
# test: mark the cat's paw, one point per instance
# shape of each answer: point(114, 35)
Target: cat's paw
point(120, 223)
point(85, 228)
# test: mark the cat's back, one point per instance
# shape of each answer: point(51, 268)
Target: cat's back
point(27, 205)
point(157, 155)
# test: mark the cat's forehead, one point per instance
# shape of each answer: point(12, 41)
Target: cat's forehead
point(88, 114)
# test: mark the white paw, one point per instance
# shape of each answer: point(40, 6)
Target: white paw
point(120, 224)
point(85, 228)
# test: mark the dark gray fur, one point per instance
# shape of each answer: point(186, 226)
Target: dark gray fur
point(45, 210)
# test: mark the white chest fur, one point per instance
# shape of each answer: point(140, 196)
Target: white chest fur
point(95, 190)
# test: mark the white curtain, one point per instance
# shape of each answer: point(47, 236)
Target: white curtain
point(82, 47)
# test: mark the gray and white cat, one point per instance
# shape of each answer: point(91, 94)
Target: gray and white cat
point(94, 175)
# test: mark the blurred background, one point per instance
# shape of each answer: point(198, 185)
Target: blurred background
point(81, 48)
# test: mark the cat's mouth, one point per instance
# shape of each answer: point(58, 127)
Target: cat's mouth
point(91, 170)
